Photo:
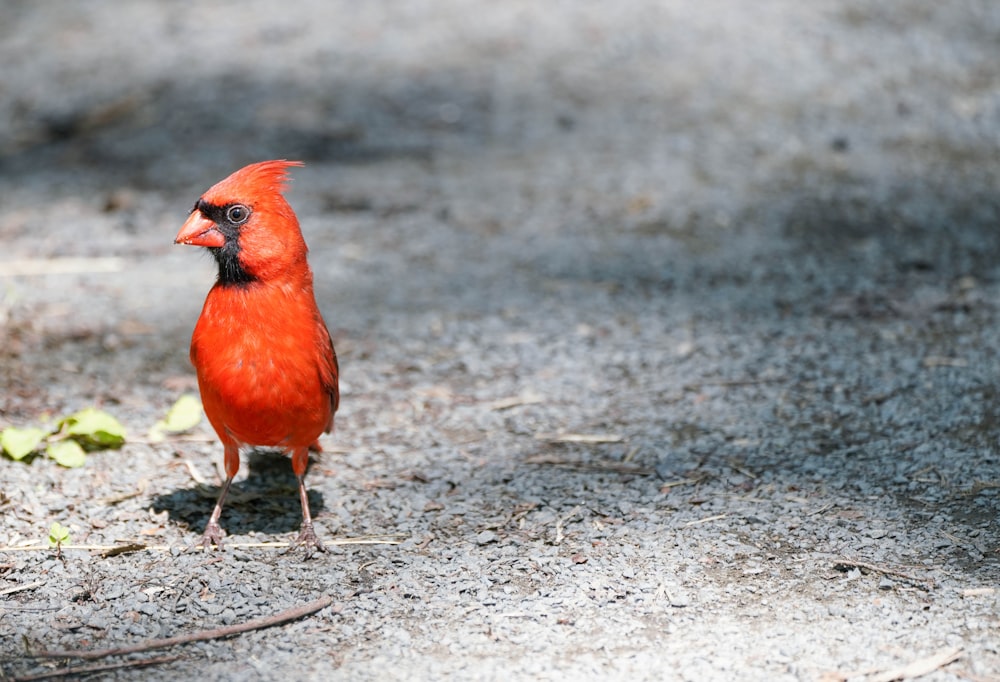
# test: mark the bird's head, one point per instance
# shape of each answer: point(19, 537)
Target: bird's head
point(247, 225)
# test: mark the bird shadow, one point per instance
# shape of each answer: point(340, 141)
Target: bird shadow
point(266, 502)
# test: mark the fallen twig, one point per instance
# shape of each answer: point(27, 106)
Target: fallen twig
point(681, 481)
point(979, 486)
point(123, 549)
point(739, 468)
point(698, 385)
point(88, 669)
point(978, 591)
point(293, 613)
point(600, 465)
point(879, 398)
point(115, 499)
point(822, 509)
point(516, 401)
point(922, 583)
point(920, 667)
point(390, 539)
point(588, 438)
point(198, 478)
point(21, 588)
point(708, 519)
point(562, 520)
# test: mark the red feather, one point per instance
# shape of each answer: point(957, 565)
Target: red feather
point(267, 370)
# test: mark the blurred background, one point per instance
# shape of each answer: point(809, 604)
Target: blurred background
point(540, 173)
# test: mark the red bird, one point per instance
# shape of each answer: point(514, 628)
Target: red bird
point(267, 370)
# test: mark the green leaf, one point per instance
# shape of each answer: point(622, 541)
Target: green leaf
point(185, 414)
point(19, 443)
point(67, 452)
point(58, 534)
point(94, 429)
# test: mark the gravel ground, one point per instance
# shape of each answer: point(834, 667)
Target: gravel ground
point(749, 249)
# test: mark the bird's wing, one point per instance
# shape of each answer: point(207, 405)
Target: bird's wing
point(329, 369)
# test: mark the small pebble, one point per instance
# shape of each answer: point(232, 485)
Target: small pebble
point(486, 537)
point(679, 600)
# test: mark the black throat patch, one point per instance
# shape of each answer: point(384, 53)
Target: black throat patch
point(231, 271)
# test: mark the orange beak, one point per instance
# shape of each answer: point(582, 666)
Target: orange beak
point(198, 230)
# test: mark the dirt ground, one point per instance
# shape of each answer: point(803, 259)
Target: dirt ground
point(667, 335)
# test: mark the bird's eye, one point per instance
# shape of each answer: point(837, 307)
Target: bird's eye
point(237, 214)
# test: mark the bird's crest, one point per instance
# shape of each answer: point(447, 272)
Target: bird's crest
point(266, 178)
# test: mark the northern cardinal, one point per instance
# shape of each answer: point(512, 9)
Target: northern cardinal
point(267, 370)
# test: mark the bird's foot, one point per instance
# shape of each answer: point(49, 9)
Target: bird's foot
point(309, 540)
point(213, 536)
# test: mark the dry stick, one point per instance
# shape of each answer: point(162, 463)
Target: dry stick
point(293, 613)
point(680, 481)
point(563, 519)
point(123, 549)
point(698, 385)
point(198, 478)
point(920, 667)
point(707, 519)
point(88, 669)
point(601, 465)
point(21, 588)
point(850, 563)
point(388, 539)
point(590, 438)
point(517, 401)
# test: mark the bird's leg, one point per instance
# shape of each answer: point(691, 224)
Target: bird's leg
point(307, 536)
point(213, 531)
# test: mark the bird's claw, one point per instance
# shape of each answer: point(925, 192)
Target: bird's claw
point(213, 536)
point(309, 540)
